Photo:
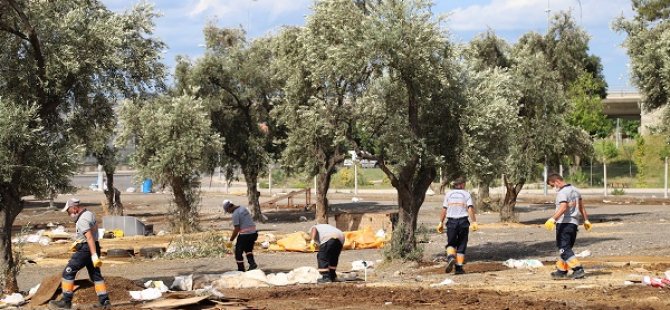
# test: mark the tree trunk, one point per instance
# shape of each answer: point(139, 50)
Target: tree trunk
point(113, 195)
point(185, 220)
point(10, 206)
point(507, 213)
point(251, 178)
point(322, 183)
point(483, 201)
point(411, 187)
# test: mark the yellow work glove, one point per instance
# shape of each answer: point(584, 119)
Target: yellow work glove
point(97, 262)
point(588, 225)
point(228, 244)
point(440, 228)
point(73, 247)
point(550, 224)
point(312, 246)
point(474, 226)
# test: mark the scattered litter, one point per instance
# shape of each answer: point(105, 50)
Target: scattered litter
point(626, 283)
point(361, 264)
point(131, 190)
point(148, 294)
point(653, 282)
point(380, 234)
point(446, 281)
point(303, 218)
point(584, 253)
point(182, 283)
point(355, 199)
point(523, 263)
point(157, 285)
point(13, 299)
point(270, 238)
point(161, 233)
point(257, 278)
point(264, 217)
point(265, 244)
point(33, 290)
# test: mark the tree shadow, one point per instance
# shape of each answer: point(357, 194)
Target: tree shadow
point(593, 218)
point(289, 216)
point(502, 251)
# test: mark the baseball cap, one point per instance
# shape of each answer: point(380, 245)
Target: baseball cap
point(72, 202)
point(227, 204)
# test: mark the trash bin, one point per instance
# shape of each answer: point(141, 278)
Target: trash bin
point(146, 186)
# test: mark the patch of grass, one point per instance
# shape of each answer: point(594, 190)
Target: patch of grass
point(210, 245)
point(618, 192)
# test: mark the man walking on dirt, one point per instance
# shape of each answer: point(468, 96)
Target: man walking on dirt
point(245, 232)
point(330, 240)
point(568, 206)
point(86, 254)
point(456, 208)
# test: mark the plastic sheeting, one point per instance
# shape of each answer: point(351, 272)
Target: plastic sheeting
point(354, 240)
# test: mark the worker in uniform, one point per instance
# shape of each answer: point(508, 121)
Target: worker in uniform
point(86, 254)
point(330, 241)
point(457, 206)
point(565, 221)
point(245, 232)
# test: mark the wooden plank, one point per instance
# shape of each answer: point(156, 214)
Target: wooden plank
point(46, 291)
point(170, 303)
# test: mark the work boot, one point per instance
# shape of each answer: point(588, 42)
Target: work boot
point(459, 270)
point(105, 305)
point(240, 267)
point(559, 275)
point(451, 261)
point(333, 275)
point(324, 279)
point(60, 304)
point(252, 266)
point(252, 262)
point(578, 273)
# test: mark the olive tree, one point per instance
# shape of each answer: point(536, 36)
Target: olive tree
point(408, 117)
point(323, 73)
point(174, 143)
point(63, 58)
point(235, 81)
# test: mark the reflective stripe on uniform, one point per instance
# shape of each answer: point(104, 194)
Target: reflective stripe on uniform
point(100, 288)
point(67, 286)
point(561, 265)
point(451, 250)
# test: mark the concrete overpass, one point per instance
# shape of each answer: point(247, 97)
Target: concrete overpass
point(625, 105)
point(628, 105)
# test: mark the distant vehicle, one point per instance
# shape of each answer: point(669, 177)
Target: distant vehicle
point(365, 163)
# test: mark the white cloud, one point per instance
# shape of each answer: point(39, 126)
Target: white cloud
point(237, 8)
point(531, 14)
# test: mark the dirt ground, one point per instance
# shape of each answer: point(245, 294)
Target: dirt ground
point(629, 240)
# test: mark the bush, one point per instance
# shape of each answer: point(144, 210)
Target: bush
point(211, 245)
point(618, 192)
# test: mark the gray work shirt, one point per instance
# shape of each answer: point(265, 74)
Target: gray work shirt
point(242, 218)
point(86, 222)
point(326, 232)
point(570, 195)
point(457, 202)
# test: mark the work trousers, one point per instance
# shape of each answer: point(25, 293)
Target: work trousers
point(80, 259)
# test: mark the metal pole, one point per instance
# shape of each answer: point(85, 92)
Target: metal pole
point(270, 178)
point(605, 177)
point(546, 175)
point(665, 195)
point(355, 178)
point(100, 185)
point(314, 185)
point(560, 169)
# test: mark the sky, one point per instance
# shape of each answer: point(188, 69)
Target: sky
point(182, 21)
